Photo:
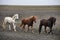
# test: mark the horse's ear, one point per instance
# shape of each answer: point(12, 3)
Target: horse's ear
point(35, 17)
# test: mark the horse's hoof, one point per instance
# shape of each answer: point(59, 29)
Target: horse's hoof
point(4, 30)
point(39, 33)
point(48, 32)
point(25, 31)
point(32, 32)
point(15, 30)
point(9, 29)
point(52, 33)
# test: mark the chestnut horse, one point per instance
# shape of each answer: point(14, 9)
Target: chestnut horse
point(28, 21)
point(47, 23)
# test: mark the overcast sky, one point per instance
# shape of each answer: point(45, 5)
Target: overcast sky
point(29, 2)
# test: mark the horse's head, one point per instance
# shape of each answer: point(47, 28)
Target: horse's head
point(52, 20)
point(16, 16)
point(34, 18)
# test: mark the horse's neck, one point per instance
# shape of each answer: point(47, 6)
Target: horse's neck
point(31, 20)
point(51, 22)
point(13, 18)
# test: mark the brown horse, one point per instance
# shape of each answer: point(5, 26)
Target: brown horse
point(46, 23)
point(28, 21)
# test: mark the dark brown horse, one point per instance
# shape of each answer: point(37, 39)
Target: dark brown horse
point(28, 21)
point(47, 23)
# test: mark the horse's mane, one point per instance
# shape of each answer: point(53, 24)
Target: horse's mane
point(51, 18)
point(29, 18)
point(14, 16)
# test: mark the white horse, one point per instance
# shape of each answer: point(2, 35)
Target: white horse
point(10, 20)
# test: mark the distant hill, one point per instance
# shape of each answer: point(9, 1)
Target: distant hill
point(12, 7)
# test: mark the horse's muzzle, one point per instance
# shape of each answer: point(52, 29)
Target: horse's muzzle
point(17, 19)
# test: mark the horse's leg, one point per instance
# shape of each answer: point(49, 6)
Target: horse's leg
point(28, 28)
point(32, 29)
point(50, 30)
point(45, 29)
point(21, 25)
point(24, 28)
point(9, 27)
point(14, 27)
point(40, 26)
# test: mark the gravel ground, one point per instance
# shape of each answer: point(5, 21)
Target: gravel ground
point(21, 35)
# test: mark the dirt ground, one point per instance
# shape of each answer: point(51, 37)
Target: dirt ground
point(21, 35)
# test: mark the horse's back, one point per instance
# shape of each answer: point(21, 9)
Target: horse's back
point(8, 19)
point(44, 22)
point(25, 21)
point(28, 20)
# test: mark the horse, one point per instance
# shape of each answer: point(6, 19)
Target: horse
point(28, 21)
point(10, 20)
point(47, 23)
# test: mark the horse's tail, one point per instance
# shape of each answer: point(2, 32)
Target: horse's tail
point(40, 26)
point(3, 24)
point(21, 24)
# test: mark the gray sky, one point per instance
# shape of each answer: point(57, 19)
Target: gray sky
point(29, 2)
